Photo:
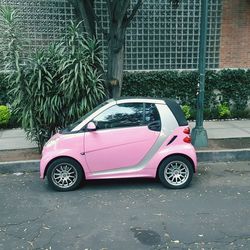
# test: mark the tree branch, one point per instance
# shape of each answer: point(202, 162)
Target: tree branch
point(83, 10)
point(133, 13)
point(124, 8)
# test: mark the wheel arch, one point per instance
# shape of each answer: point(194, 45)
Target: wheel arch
point(176, 154)
point(59, 157)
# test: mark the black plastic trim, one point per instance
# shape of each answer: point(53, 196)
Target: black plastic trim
point(172, 140)
point(177, 112)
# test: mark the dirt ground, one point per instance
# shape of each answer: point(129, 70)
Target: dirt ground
point(215, 144)
point(19, 155)
point(229, 143)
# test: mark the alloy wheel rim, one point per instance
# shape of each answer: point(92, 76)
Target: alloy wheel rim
point(176, 173)
point(64, 175)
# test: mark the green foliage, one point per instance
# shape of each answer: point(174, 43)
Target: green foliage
point(13, 48)
point(161, 84)
point(4, 115)
point(15, 120)
point(233, 87)
point(4, 97)
point(57, 85)
point(223, 110)
point(187, 111)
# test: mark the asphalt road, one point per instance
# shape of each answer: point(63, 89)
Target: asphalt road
point(213, 213)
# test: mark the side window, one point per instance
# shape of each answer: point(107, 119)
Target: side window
point(151, 113)
point(152, 117)
point(121, 115)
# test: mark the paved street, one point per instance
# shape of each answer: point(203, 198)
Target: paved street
point(213, 213)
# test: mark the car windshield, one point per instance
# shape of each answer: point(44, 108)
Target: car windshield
point(73, 125)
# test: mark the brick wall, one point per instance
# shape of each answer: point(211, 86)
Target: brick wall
point(235, 34)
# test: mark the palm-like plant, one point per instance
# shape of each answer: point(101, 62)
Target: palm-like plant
point(56, 86)
point(8, 23)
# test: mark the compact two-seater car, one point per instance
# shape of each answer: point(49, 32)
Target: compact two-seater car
point(122, 138)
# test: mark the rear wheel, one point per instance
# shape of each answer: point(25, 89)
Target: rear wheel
point(65, 174)
point(175, 172)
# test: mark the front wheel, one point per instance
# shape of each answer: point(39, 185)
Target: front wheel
point(65, 174)
point(175, 172)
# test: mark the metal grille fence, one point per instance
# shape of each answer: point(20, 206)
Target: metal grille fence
point(159, 38)
point(162, 37)
point(41, 21)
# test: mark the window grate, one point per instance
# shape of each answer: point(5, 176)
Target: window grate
point(42, 21)
point(160, 37)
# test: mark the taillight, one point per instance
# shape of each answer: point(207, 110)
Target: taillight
point(186, 131)
point(187, 139)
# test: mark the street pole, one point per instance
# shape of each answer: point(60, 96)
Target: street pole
point(199, 134)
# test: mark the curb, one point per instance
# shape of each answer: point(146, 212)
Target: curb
point(203, 156)
point(19, 166)
point(224, 155)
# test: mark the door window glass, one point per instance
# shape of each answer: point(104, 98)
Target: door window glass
point(121, 115)
point(151, 113)
point(152, 117)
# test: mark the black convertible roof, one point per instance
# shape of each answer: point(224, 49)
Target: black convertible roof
point(177, 112)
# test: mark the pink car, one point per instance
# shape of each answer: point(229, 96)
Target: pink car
point(122, 138)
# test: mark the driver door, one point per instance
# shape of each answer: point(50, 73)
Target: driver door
point(122, 137)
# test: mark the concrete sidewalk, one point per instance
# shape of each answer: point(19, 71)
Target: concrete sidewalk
point(12, 139)
point(226, 129)
point(16, 138)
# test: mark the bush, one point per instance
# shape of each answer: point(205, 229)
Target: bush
point(187, 111)
point(170, 84)
point(66, 84)
point(4, 97)
point(55, 86)
point(223, 110)
point(4, 115)
point(224, 86)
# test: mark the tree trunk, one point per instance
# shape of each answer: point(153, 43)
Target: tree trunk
point(115, 60)
point(84, 10)
point(115, 71)
point(119, 20)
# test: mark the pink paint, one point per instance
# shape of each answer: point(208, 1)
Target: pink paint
point(121, 152)
point(121, 149)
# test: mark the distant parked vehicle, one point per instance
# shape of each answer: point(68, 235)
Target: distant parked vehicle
point(122, 138)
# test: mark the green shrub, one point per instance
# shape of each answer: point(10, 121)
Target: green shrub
point(232, 85)
point(240, 113)
point(223, 110)
point(66, 84)
point(186, 110)
point(4, 97)
point(163, 84)
point(15, 120)
point(4, 115)
point(235, 86)
point(211, 113)
point(55, 86)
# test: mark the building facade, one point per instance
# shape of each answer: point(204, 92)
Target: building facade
point(159, 38)
point(235, 34)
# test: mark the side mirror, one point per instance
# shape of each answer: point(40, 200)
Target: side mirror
point(91, 126)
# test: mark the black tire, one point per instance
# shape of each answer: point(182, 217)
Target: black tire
point(65, 174)
point(175, 172)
